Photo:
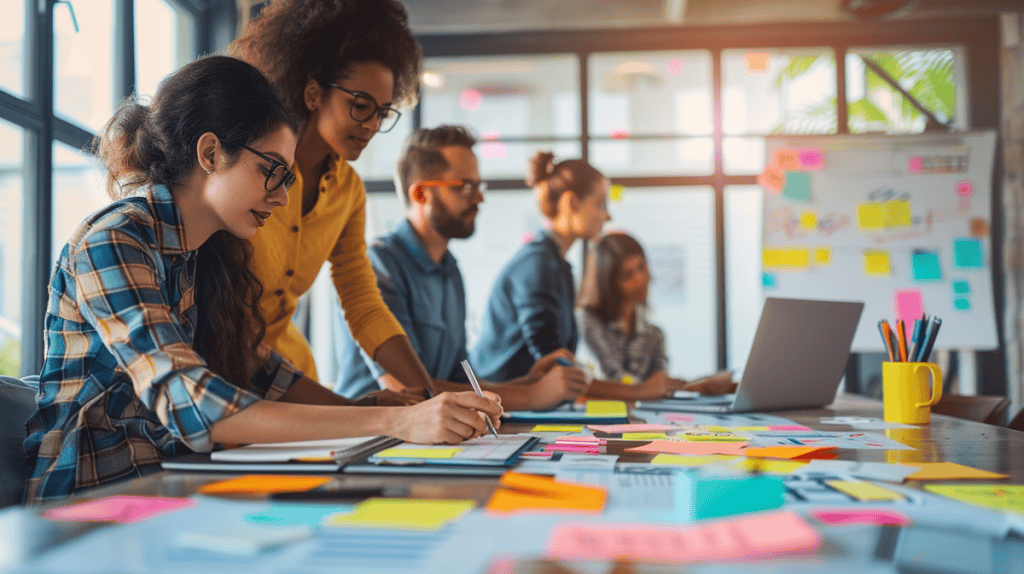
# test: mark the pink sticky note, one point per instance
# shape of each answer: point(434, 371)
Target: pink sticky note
point(789, 428)
point(915, 165)
point(592, 440)
point(835, 516)
point(119, 509)
point(688, 447)
point(964, 188)
point(676, 417)
point(568, 447)
point(614, 429)
point(758, 535)
point(909, 305)
point(811, 159)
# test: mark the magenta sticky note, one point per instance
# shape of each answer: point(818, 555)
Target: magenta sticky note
point(120, 509)
point(908, 305)
point(964, 188)
point(835, 516)
point(811, 159)
point(687, 447)
point(789, 428)
point(676, 417)
point(915, 165)
point(574, 447)
point(614, 429)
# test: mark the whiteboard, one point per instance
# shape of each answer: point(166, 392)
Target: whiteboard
point(900, 222)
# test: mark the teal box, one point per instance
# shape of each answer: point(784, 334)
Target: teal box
point(716, 496)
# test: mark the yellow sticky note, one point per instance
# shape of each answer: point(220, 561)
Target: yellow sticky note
point(399, 452)
point(949, 471)
point(718, 437)
point(884, 215)
point(264, 484)
point(715, 428)
point(747, 428)
point(864, 490)
point(402, 513)
point(822, 255)
point(897, 213)
point(1005, 497)
point(871, 216)
point(606, 408)
point(687, 460)
point(794, 258)
point(557, 428)
point(615, 192)
point(876, 262)
point(769, 466)
point(643, 436)
point(808, 220)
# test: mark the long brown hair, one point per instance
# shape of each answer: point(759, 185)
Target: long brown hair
point(550, 180)
point(294, 41)
point(150, 145)
point(599, 292)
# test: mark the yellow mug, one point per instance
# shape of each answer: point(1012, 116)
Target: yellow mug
point(905, 391)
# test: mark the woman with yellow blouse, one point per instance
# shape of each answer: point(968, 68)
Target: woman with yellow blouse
point(343, 67)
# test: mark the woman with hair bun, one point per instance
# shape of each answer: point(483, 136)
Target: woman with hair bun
point(153, 327)
point(530, 310)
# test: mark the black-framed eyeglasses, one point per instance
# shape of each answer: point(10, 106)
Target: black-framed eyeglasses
point(278, 173)
point(364, 107)
point(466, 188)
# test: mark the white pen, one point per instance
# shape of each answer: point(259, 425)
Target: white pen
point(476, 387)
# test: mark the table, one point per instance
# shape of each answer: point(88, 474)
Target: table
point(25, 537)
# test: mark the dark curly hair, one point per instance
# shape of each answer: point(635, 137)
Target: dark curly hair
point(294, 41)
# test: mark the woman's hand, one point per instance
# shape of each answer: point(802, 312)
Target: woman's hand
point(717, 384)
point(547, 362)
point(448, 418)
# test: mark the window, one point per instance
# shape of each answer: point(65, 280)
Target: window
point(84, 66)
point(167, 44)
point(78, 190)
point(13, 141)
point(743, 228)
point(13, 39)
point(378, 158)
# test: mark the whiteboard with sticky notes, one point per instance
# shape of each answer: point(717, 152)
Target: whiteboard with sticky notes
point(901, 222)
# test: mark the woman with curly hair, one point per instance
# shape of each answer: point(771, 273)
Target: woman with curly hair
point(343, 66)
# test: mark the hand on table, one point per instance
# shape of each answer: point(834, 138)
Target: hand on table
point(717, 384)
point(558, 384)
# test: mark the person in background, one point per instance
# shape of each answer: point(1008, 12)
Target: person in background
point(629, 350)
point(438, 179)
point(153, 329)
point(529, 312)
point(343, 66)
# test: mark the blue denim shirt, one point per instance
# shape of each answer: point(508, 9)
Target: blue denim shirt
point(427, 298)
point(529, 312)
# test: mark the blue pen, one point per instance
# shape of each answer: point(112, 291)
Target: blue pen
point(917, 337)
point(929, 338)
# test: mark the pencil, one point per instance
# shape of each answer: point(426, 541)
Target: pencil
point(901, 337)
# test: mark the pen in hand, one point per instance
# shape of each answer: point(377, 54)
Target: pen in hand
point(476, 387)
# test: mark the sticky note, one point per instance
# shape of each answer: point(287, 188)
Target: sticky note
point(687, 447)
point(837, 516)
point(726, 496)
point(769, 465)
point(897, 213)
point(979, 227)
point(876, 263)
point(950, 471)
point(756, 62)
point(964, 188)
point(575, 447)
point(120, 509)
point(787, 258)
point(884, 215)
point(615, 192)
point(798, 187)
point(606, 408)
point(519, 492)
point(264, 484)
point(557, 428)
point(772, 179)
point(789, 452)
point(295, 514)
point(822, 255)
point(692, 460)
point(925, 266)
point(399, 452)
point(962, 304)
point(967, 253)
point(915, 165)
point(811, 159)
point(581, 440)
point(809, 220)
point(864, 491)
point(961, 287)
point(1006, 498)
point(751, 429)
point(643, 435)
point(787, 159)
point(871, 216)
point(715, 437)
point(768, 280)
point(908, 304)
point(614, 429)
point(677, 417)
point(789, 428)
point(402, 513)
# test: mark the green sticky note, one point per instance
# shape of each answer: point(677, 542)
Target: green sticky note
point(926, 266)
point(768, 280)
point(399, 452)
point(606, 408)
point(1004, 497)
point(962, 304)
point(798, 187)
point(557, 428)
point(961, 287)
point(643, 436)
point(967, 253)
point(726, 496)
point(402, 513)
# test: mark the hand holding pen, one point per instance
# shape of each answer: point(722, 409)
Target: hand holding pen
point(476, 387)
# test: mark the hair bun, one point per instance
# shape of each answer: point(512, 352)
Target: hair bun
point(542, 165)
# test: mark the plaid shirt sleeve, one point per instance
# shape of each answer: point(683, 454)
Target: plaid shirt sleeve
point(118, 286)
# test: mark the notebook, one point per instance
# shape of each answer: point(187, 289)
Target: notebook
point(483, 456)
point(797, 359)
point(302, 456)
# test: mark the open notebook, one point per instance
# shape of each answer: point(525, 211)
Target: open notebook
point(303, 456)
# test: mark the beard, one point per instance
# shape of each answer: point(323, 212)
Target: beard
point(451, 226)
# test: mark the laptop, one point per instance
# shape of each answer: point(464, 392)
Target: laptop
point(797, 359)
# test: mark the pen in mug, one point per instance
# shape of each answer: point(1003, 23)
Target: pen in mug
point(476, 387)
point(901, 339)
point(929, 338)
point(883, 327)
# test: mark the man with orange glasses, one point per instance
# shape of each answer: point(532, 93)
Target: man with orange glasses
point(439, 182)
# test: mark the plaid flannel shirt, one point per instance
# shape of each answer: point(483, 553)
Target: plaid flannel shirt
point(121, 386)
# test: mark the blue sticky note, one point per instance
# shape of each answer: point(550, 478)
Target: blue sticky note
point(962, 304)
point(296, 514)
point(967, 253)
point(768, 280)
point(961, 287)
point(713, 497)
point(926, 266)
point(798, 186)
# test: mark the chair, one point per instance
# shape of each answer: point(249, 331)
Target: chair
point(17, 403)
point(988, 409)
point(1018, 422)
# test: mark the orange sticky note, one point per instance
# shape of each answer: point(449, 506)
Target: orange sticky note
point(265, 484)
point(687, 447)
point(787, 159)
point(950, 470)
point(772, 179)
point(520, 492)
point(790, 452)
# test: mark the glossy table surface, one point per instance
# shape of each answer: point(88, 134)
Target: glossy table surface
point(24, 535)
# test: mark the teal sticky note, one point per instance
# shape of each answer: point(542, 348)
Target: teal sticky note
point(962, 304)
point(726, 496)
point(296, 514)
point(926, 266)
point(798, 186)
point(967, 253)
point(768, 280)
point(961, 287)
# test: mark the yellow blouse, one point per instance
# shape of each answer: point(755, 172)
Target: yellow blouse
point(290, 250)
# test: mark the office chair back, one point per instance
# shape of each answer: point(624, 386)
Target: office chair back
point(988, 409)
point(17, 403)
